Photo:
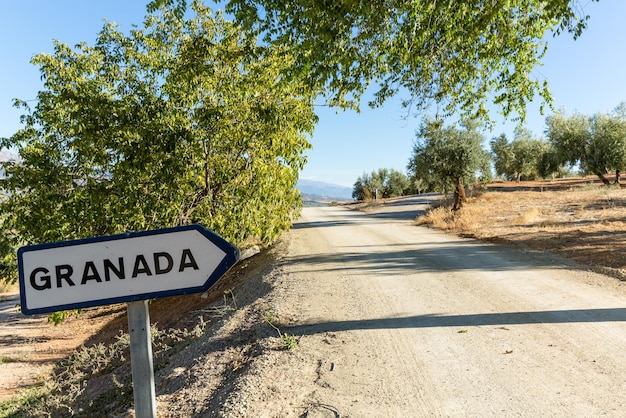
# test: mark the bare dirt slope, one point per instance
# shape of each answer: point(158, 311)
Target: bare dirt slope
point(30, 347)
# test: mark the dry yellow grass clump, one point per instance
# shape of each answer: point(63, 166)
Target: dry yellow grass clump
point(586, 224)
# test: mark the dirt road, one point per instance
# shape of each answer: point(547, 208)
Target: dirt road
point(392, 320)
point(403, 321)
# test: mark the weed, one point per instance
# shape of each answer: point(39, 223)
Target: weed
point(270, 316)
point(165, 340)
point(58, 317)
point(229, 305)
point(23, 404)
point(61, 394)
point(229, 295)
point(7, 359)
point(444, 218)
point(289, 341)
point(438, 217)
point(590, 187)
point(529, 216)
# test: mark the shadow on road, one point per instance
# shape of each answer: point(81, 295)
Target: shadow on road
point(396, 209)
point(325, 224)
point(426, 257)
point(490, 319)
point(400, 215)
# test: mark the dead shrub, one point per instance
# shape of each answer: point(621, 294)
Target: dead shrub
point(462, 221)
point(530, 216)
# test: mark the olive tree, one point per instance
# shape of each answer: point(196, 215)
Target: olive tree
point(448, 158)
point(520, 159)
point(608, 152)
point(382, 183)
point(597, 144)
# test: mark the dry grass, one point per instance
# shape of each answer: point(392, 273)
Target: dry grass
point(587, 224)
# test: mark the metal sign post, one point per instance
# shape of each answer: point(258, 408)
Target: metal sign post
point(141, 359)
point(128, 268)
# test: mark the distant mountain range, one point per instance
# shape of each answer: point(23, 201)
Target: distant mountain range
point(317, 190)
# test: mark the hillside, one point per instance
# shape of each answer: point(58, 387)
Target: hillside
point(320, 191)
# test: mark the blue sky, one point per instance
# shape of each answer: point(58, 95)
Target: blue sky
point(587, 75)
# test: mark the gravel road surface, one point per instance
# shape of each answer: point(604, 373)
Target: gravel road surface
point(403, 321)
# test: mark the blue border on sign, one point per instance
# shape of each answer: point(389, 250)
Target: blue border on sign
point(230, 259)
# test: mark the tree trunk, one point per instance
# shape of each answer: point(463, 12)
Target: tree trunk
point(459, 194)
point(604, 179)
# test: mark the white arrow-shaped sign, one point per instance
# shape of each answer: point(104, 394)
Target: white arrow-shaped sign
point(121, 268)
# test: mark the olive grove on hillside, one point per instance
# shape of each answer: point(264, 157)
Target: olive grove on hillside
point(181, 121)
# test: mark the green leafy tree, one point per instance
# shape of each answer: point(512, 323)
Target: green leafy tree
point(528, 153)
point(181, 121)
point(397, 184)
point(382, 183)
point(377, 182)
point(455, 54)
point(520, 159)
point(551, 165)
point(570, 137)
point(608, 152)
point(448, 158)
point(503, 156)
point(362, 189)
point(597, 144)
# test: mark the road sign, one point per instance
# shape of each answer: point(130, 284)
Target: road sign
point(121, 268)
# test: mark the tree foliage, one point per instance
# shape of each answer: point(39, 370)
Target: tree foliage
point(448, 158)
point(502, 154)
point(455, 54)
point(596, 143)
point(381, 183)
point(181, 121)
point(521, 159)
